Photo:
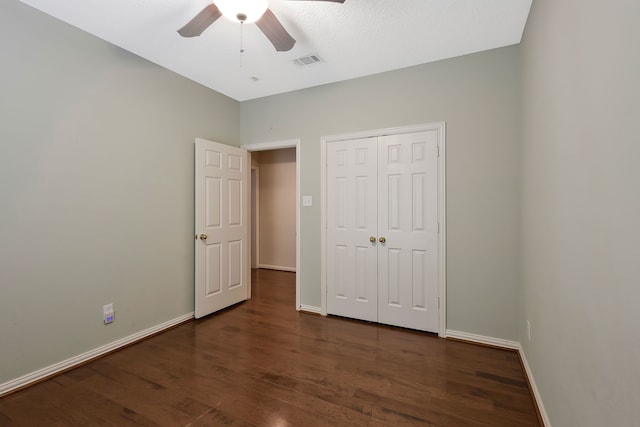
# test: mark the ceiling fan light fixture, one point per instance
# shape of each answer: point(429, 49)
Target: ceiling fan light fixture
point(246, 11)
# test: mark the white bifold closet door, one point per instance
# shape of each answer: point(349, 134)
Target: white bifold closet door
point(382, 229)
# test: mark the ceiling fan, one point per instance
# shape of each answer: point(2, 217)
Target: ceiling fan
point(244, 12)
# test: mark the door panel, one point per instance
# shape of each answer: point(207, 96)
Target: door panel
point(419, 266)
point(407, 219)
point(221, 208)
point(213, 204)
point(351, 221)
point(213, 280)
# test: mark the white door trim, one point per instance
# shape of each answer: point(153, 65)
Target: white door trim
point(442, 239)
point(257, 219)
point(275, 145)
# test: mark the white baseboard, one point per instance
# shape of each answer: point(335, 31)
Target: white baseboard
point(511, 345)
point(481, 339)
point(310, 309)
point(40, 374)
point(277, 267)
point(534, 388)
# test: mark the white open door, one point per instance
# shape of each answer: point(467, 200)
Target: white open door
point(222, 226)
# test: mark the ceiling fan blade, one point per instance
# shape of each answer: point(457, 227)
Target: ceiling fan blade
point(201, 21)
point(275, 32)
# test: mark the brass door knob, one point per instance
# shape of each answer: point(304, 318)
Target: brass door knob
point(203, 237)
point(372, 239)
point(382, 240)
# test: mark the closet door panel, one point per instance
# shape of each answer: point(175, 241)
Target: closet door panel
point(408, 224)
point(352, 285)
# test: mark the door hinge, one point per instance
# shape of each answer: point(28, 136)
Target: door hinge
point(438, 302)
point(438, 227)
point(438, 147)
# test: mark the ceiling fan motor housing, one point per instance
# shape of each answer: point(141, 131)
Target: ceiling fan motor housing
point(245, 12)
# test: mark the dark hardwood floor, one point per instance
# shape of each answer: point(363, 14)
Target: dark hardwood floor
point(261, 363)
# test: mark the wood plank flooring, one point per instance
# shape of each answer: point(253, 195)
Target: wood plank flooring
point(261, 363)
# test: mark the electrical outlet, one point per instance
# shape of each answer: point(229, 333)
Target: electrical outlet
point(529, 330)
point(108, 314)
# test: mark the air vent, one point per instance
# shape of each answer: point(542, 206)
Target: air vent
point(307, 60)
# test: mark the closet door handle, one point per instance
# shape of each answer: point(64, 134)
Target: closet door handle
point(382, 239)
point(203, 237)
point(372, 239)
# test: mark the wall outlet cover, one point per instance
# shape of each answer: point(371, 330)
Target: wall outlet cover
point(108, 315)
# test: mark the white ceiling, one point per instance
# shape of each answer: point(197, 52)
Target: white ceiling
point(354, 39)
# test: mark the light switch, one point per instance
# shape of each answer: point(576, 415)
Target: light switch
point(307, 201)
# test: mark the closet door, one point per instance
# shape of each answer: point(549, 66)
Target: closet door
point(408, 230)
point(352, 206)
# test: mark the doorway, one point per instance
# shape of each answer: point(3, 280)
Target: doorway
point(271, 259)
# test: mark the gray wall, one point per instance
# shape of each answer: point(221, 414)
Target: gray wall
point(479, 98)
point(96, 184)
point(581, 209)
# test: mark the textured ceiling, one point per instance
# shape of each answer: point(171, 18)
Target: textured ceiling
point(354, 39)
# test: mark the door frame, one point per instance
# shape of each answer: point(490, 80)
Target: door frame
point(276, 145)
point(257, 211)
point(442, 218)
